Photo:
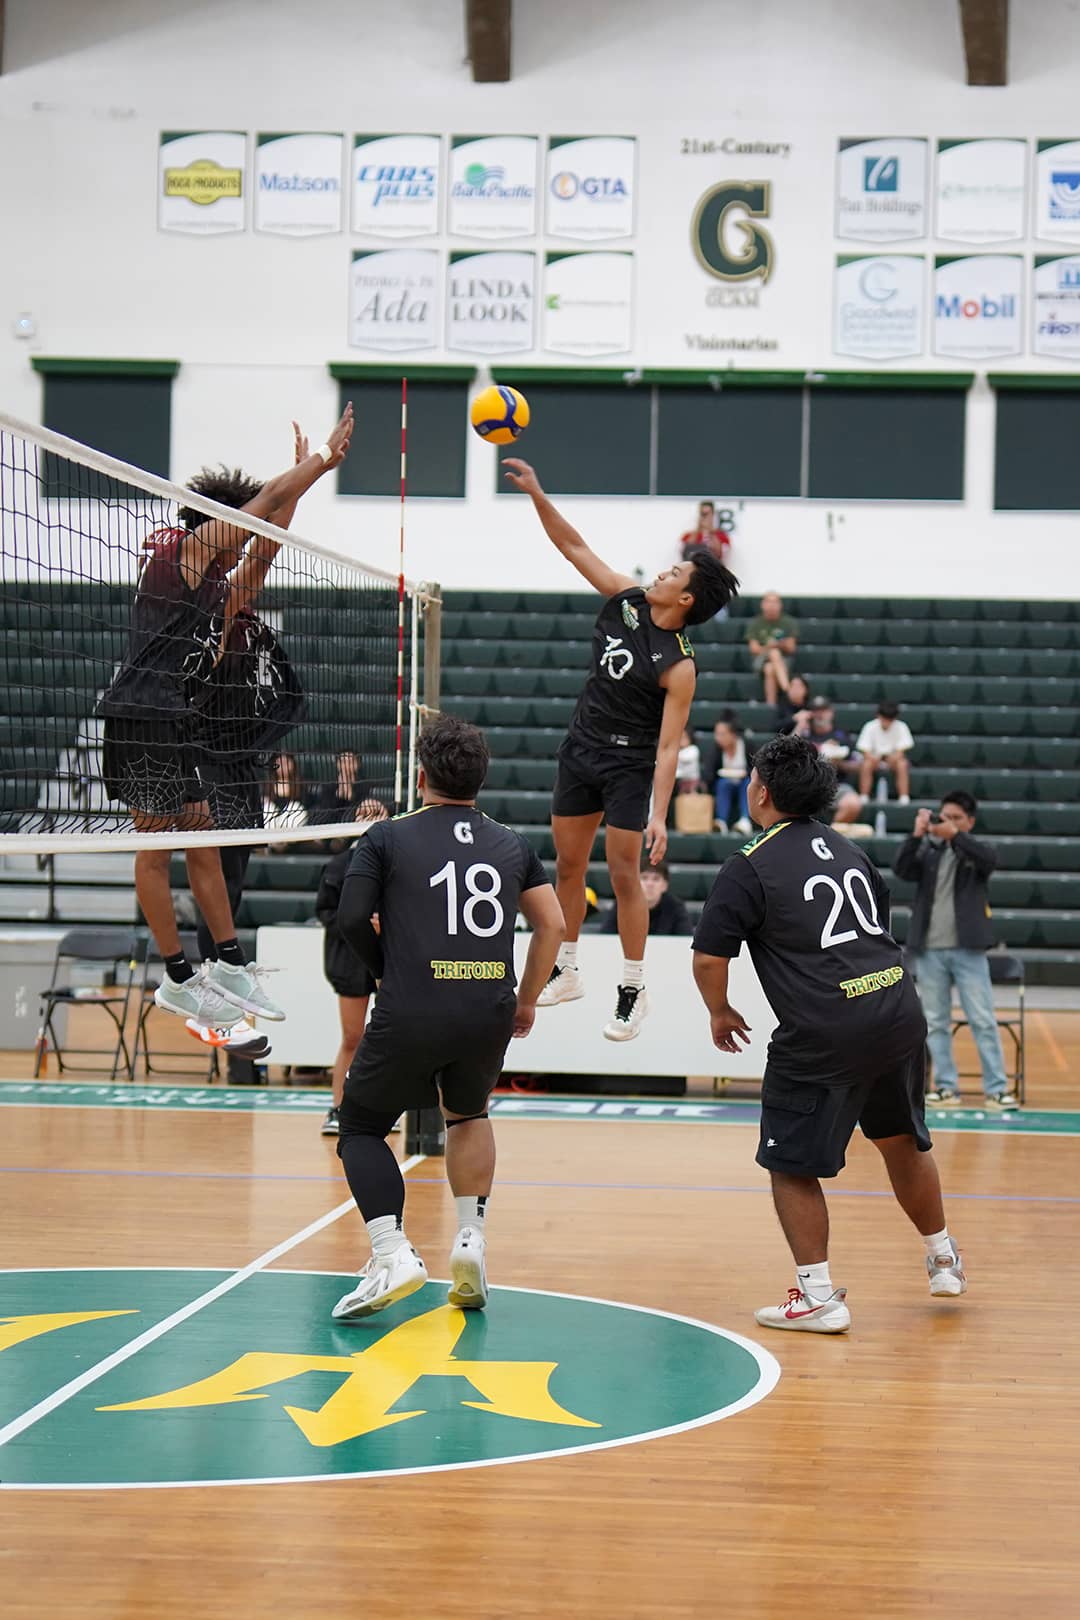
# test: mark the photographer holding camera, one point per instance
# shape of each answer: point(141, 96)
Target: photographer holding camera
point(948, 938)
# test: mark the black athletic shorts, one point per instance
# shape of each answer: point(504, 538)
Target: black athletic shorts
point(150, 765)
point(402, 1064)
point(589, 780)
point(357, 984)
point(805, 1128)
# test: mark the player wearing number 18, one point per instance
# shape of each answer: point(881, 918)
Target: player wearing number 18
point(446, 884)
point(849, 1046)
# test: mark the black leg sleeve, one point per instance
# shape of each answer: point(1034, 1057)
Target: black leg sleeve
point(372, 1171)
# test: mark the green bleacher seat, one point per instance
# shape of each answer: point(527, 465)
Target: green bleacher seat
point(917, 633)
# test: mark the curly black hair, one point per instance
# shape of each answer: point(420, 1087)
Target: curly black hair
point(711, 585)
point(455, 757)
point(232, 488)
point(801, 782)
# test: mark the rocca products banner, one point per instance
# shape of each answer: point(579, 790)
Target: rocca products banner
point(881, 189)
point(492, 185)
point(588, 303)
point(590, 186)
point(1056, 307)
point(878, 305)
point(395, 185)
point(298, 184)
point(1057, 191)
point(201, 181)
point(979, 190)
point(977, 306)
point(394, 299)
point(490, 300)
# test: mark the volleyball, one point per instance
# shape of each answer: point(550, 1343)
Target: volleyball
point(499, 414)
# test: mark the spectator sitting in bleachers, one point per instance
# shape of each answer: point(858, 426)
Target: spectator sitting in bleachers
point(283, 799)
point(706, 534)
point(772, 638)
point(837, 746)
point(886, 741)
point(667, 915)
point(688, 765)
point(728, 774)
point(340, 799)
point(793, 704)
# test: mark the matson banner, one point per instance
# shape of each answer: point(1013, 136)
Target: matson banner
point(298, 184)
point(201, 181)
point(978, 306)
point(490, 302)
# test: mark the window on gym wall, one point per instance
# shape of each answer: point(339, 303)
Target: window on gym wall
point(122, 407)
point(895, 437)
point(1036, 466)
point(438, 421)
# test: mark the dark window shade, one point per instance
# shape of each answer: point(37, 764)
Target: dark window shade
point(585, 440)
point(124, 415)
point(1036, 464)
point(880, 444)
point(438, 422)
point(738, 441)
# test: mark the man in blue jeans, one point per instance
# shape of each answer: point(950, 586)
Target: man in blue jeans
point(948, 938)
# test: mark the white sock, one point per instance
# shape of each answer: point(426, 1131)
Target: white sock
point(471, 1211)
point(939, 1245)
point(633, 974)
point(814, 1281)
point(386, 1235)
point(568, 954)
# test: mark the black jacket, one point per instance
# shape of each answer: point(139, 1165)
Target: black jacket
point(347, 974)
point(668, 916)
point(917, 861)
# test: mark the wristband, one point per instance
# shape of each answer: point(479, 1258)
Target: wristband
point(326, 453)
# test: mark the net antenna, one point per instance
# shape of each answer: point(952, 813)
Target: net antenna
point(270, 700)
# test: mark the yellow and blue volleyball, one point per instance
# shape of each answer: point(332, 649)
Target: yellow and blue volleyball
point(499, 414)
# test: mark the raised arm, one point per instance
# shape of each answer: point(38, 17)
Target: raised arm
point(249, 575)
point(678, 683)
point(563, 535)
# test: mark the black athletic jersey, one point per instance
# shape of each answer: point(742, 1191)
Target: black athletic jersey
point(174, 635)
point(445, 882)
point(622, 702)
point(815, 914)
point(251, 697)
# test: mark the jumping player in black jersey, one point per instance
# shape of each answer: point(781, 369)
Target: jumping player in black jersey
point(623, 741)
point(849, 1047)
point(195, 579)
point(446, 884)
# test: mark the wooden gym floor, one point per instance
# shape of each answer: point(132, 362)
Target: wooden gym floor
point(927, 1460)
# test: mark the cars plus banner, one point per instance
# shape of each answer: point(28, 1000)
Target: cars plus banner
point(395, 184)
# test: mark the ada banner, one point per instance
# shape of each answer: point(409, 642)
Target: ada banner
point(979, 190)
point(393, 299)
point(298, 184)
point(1056, 307)
point(881, 189)
point(588, 303)
point(977, 305)
point(201, 181)
point(492, 185)
point(395, 185)
point(490, 302)
point(590, 185)
point(878, 305)
point(1057, 191)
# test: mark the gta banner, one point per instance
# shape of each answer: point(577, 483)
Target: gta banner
point(201, 181)
point(298, 184)
point(979, 190)
point(590, 186)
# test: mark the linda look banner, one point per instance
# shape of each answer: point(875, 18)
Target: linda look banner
point(490, 300)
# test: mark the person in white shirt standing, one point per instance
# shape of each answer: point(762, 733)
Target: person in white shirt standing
point(886, 740)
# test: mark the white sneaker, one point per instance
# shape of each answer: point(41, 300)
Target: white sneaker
point(197, 999)
point(806, 1315)
point(468, 1289)
point(947, 1276)
point(565, 984)
point(238, 1037)
point(382, 1283)
point(241, 986)
point(630, 1009)
point(744, 825)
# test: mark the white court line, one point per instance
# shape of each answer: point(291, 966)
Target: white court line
point(58, 1397)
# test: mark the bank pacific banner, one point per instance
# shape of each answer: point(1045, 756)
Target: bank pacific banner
point(979, 190)
point(492, 185)
point(589, 303)
point(879, 305)
point(490, 302)
point(1057, 191)
point(1055, 307)
point(201, 181)
point(978, 306)
point(298, 184)
point(394, 299)
point(881, 189)
point(589, 186)
point(395, 184)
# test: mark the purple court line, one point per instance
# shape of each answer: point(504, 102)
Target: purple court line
point(565, 1186)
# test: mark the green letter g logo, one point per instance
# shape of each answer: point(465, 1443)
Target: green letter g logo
point(754, 256)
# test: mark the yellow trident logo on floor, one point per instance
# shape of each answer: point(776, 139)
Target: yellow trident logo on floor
point(377, 1379)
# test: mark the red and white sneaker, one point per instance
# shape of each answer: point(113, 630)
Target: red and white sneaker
point(806, 1315)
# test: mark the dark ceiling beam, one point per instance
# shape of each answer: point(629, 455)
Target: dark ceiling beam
point(487, 40)
point(986, 40)
point(1, 36)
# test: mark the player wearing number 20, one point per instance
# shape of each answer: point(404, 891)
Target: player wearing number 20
point(446, 884)
point(849, 1046)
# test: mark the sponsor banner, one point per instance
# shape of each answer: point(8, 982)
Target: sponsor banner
point(298, 184)
point(1055, 307)
point(589, 186)
point(395, 184)
point(588, 303)
point(201, 181)
point(492, 185)
point(979, 190)
point(977, 306)
point(490, 302)
point(1057, 191)
point(878, 305)
point(881, 189)
point(394, 299)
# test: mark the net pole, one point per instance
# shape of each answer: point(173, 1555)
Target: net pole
point(414, 701)
point(398, 795)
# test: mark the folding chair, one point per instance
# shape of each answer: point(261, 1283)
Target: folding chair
point(1006, 969)
point(114, 947)
point(153, 968)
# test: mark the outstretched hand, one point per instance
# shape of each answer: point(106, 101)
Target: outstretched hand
point(522, 476)
point(339, 439)
point(301, 449)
